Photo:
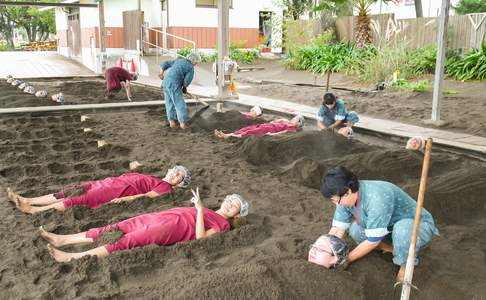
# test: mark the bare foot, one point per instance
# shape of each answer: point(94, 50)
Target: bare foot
point(11, 195)
point(23, 206)
point(51, 238)
point(220, 134)
point(58, 255)
point(184, 126)
point(172, 124)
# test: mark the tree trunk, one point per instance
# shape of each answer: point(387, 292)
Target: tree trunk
point(418, 9)
point(363, 32)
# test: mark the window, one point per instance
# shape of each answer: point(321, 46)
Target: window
point(211, 3)
point(409, 2)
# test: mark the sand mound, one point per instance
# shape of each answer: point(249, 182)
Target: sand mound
point(227, 121)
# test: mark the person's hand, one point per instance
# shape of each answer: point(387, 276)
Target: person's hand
point(122, 199)
point(129, 98)
point(196, 199)
point(184, 90)
point(343, 266)
point(161, 76)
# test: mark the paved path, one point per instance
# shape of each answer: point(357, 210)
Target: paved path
point(446, 138)
point(23, 64)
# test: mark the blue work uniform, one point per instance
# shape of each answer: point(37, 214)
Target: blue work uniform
point(337, 113)
point(180, 75)
point(384, 212)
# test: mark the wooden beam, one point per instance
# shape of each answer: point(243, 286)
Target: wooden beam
point(223, 46)
point(101, 12)
point(45, 4)
point(439, 65)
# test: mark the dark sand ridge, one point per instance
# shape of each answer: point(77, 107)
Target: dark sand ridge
point(76, 91)
point(264, 259)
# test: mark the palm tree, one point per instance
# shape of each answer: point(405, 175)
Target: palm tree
point(363, 30)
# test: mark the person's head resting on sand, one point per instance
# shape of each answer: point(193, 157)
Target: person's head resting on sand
point(256, 111)
point(297, 121)
point(340, 186)
point(329, 100)
point(328, 251)
point(178, 176)
point(234, 206)
point(416, 143)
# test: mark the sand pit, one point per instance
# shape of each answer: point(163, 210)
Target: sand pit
point(75, 90)
point(264, 259)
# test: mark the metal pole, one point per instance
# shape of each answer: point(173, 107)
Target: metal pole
point(223, 46)
point(439, 65)
point(101, 12)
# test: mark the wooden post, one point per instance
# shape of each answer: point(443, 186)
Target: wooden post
point(439, 65)
point(407, 282)
point(223, 47)
point(101, 12)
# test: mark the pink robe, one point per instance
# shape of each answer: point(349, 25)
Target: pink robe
point(264, 128)
point(160, 228)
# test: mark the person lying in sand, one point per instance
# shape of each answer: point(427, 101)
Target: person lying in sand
point(328, 251)
point(255, 112)
point(93, 194)
point(160, 228)
point(416, 143)
point(116, 79)
point(333, 114)
point(275, 127)
point(378, 214)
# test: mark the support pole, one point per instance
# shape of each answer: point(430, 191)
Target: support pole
point(101, 12)
point(439, 65)
point(223, 47)
point(407, 282)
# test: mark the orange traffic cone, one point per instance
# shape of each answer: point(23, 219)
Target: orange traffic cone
point(120, 63)
point(133, 67)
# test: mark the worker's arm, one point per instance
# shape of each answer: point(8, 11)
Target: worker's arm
point(335, 124)
point(150, 194)
point(339, 232)
point(188, 78)
point(127, 87)
point(362, 250)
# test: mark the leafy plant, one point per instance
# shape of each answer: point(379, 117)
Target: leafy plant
point(470, 6)
point(420, 61)
point(416, 86)
point(470, 66)
point(184, 51)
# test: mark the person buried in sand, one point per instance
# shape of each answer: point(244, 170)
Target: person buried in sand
point(416, 143)
point(333, 114)
point(175, 85)
point(254, 113)
point(275, 127)
point(378, 214)
point(328, 251)
point(93, 194)
point(116, 78)
point(160, 228)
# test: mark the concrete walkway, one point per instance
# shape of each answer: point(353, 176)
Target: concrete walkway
point(30, 64)
point(461, 141)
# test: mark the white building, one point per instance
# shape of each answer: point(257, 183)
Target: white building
point(194, 20)
point(405, 9)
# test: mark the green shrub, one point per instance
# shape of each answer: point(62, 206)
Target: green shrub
point(4, 46)
point(419, 62)
point(209, 57)
point(417, 86)
point(470, 66)
point(184, 51)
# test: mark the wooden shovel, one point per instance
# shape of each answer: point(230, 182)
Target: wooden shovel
point(407, 282)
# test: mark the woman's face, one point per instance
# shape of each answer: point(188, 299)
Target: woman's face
point(231, 207)
point(295, 121)
point(346, 200)
point(321, 253)
point(174, 176)
point(414, 144)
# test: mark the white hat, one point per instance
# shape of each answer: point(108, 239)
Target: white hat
point(257, 110)
point(244, 205)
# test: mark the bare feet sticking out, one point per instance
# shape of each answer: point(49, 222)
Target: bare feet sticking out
point(58, 255)
point(51, 238)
